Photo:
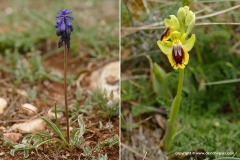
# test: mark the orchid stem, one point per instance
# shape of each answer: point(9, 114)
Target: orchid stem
point(65, 89)
point(170, 131)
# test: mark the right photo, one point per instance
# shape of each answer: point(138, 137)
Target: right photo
point(180, 79)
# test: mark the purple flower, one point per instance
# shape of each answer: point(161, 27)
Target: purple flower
point(64, 27)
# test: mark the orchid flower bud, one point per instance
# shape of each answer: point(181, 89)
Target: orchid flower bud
point(190, 21)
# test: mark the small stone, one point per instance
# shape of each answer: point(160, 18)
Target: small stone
point(107, 78)
point(28, 109)
point(70, 128)
point(2, 128)
point(22, 93)
point(51, 114)
point(19, 91)
point(31, 126)
point(15, 137)
point(3, 105)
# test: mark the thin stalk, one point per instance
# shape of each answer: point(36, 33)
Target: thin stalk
point(65, 89)
point(186, 3)
point(168, 137)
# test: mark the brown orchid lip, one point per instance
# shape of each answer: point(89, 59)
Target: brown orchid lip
point(165, 33)
point(177, 53)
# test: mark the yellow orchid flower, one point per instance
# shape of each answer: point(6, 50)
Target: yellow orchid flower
point(177, 49)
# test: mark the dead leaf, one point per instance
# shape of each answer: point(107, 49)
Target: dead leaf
point(161, 121)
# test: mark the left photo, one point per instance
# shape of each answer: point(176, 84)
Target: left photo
point(59, 80)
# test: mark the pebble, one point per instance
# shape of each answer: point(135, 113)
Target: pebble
point(2, 128)
point(51, 115)
point(3, 105)
point(107, 78)
point(31, 126)
point(15, 137)
point(28, 109)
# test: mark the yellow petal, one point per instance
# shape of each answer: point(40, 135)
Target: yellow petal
point(171, 60)
point(185, 58)
point(176, 67)
point(182, 66)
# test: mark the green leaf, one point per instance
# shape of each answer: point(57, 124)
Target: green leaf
point(130, 126)
point(8, 141)
point(81, 126)
point(87, 150)
point(77, 134)
point(46, 141)
point(140, 109)
point(102, 157)
point(42, 134)
point(12, 152)
point(159, 73)
point(108, 142)
point(27, 138)
point(19, 146)
point(55, 129)
point(160, 81)
point(26, 153)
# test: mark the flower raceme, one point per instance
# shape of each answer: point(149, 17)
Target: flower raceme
point(64, 27)
point(173, 41)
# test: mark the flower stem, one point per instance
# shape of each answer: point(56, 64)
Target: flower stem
point(186, 2)
point(65, 89)
point(170, 131)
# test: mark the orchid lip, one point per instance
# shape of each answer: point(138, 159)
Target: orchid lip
point(178, 53)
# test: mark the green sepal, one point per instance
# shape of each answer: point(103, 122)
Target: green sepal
point(187, 45)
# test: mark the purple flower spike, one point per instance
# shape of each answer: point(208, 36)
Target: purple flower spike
point(64, 27)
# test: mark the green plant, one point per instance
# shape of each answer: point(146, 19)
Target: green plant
point(33, 141)
point(106, 105)
point(212, 71)
point(102, 157)
point(30, 142)
point(109, 141)
point(178, 28)
point(64, 29)
point(87, 150)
